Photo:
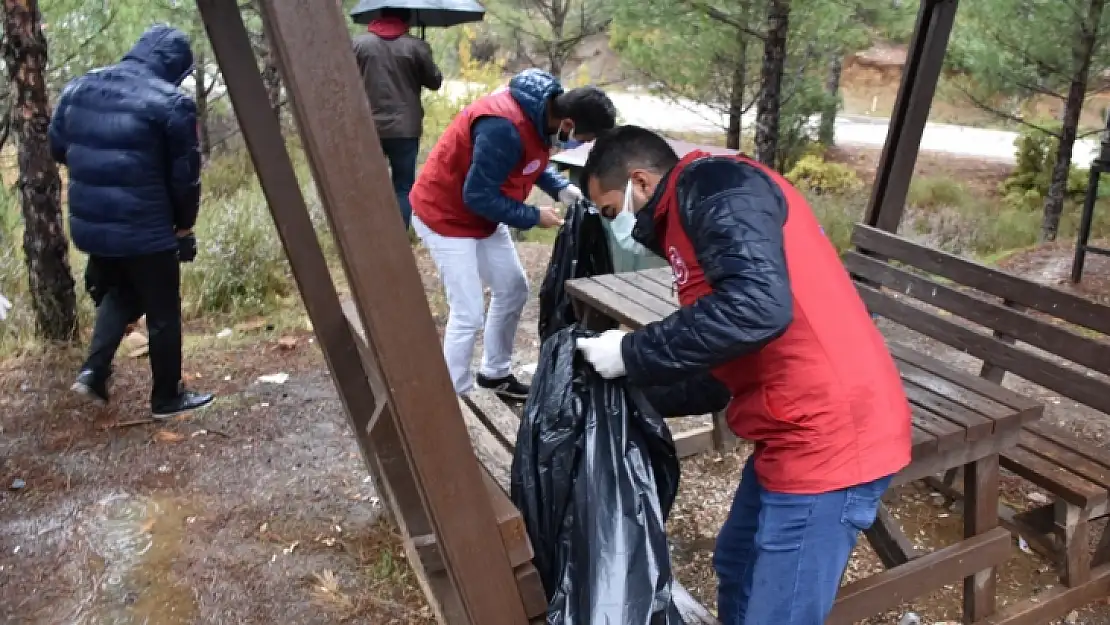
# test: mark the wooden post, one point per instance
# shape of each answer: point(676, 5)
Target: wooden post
point(311, 44)
point(924, 61)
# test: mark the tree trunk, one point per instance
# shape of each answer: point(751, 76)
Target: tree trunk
point(770, 75)
point(1082, 51)
point(40, 187)
point(826, 132)
point(202, 86)
point(271, 77)
point(736, 95)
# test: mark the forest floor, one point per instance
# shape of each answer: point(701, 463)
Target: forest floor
point(259, 510)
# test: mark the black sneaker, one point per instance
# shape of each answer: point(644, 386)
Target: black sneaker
point(91, 385)
point(507, 387)
point(186, 401)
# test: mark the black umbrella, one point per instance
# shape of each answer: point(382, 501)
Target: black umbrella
point(424, 13)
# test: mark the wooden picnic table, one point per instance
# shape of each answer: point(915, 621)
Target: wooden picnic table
point(959, 421)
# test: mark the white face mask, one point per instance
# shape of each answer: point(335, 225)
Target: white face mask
point(624, 223)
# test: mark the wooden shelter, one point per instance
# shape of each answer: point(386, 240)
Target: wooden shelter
point(385, 357)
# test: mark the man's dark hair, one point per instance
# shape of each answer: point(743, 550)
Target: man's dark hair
point(623, 149)
point(401, 14)
point(592, 111)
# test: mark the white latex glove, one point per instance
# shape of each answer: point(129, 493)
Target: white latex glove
point(5, 306)
point(570, 195)
point(604, 353)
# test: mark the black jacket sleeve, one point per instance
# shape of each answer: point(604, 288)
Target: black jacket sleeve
point(701, 394)
point(734, 215)
point(184, 158)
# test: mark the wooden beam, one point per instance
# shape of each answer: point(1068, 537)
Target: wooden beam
point(312, 46)
point(924, 61)
point(874, 594)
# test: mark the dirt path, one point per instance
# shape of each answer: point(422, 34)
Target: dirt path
point(258, 509)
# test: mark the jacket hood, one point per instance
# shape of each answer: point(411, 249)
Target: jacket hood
point(165, 52)
point(532, 88)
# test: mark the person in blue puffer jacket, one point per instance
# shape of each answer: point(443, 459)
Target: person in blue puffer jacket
point(129, 139)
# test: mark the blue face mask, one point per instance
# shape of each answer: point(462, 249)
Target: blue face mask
point(563, 140)
point(624, 223)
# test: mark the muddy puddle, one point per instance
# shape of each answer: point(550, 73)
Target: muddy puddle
point(134, 542)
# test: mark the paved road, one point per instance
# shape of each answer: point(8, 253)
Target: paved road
point(685, 116)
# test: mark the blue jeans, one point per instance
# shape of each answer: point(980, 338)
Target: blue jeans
point(780, 557)
point(402, 154)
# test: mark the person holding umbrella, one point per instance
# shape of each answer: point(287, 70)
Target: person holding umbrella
point(395, 67)
point(474, 187)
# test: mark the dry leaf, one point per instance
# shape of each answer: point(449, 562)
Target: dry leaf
point(166, 436)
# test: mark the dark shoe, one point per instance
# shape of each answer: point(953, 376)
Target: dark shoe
point(186, 401)
point(91, 385)
point(507, 387)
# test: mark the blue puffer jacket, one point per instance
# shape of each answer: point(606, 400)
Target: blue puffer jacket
point(498, 149)
point(129, 139)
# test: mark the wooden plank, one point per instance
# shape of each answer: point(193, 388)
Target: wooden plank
point(1068, 439)
point(874, 594)
point(487, 449)
point(920, 73)
point(1062, 456)
point(980, 517)
point(262, 133)
point(531, 590)
point(631, 293)
point(724, 439)
point(287, 206)
point(1030, 409)
point(1054, 602)
point(940, 461)
point(1032, 367)
point(1004, 320)
point(924, 443)
point(888, 541)
point(1045, 299)
point(312, 47)
point(1053, 478)
point(663, 276)
point(401, 495)
point(493, 412)
point(948, 434)
point(661, 293)
point(954, 392)
point(976, 425)
point(693, 441)
point(601, 298)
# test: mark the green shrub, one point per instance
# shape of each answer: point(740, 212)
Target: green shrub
point(838, 215)
point(821, 177)
point(240, 267)
point(1035, 158)
point(936, 192)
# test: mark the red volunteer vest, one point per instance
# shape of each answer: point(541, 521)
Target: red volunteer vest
point(823, 403)
point(437, 196)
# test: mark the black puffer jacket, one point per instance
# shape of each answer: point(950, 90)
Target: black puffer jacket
point(129, 138)
point(733, 214)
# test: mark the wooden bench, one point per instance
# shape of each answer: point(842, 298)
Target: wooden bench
point(958, 420)
point(1044, 335)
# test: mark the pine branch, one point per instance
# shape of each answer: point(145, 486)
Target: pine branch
point(1004, 115)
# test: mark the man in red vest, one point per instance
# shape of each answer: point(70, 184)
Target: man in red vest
point(474, 187)
point(771, 325)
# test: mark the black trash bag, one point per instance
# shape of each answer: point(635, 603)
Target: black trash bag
point(581, 250)
point(594, 475)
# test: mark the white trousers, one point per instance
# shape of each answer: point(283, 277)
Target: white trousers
point(466, 266)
